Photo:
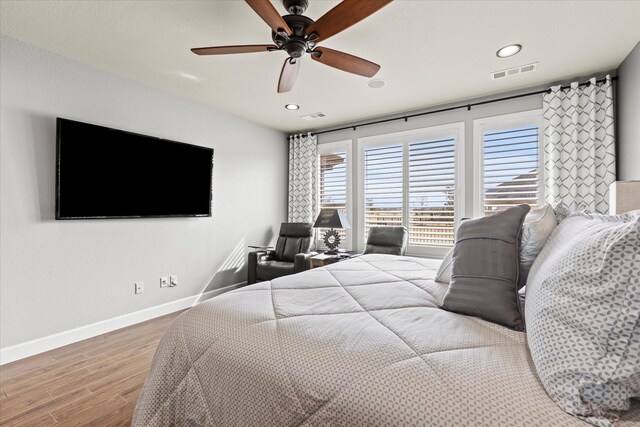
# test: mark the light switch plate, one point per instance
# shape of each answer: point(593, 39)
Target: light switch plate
point(139, 288)
point(164, 282)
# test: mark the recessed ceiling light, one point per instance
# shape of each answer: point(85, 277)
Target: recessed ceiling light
point(291, 106)
point(508, 51)
point(376, 83)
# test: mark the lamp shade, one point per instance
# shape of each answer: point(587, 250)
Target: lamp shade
point(331, 218)
point(624, 196)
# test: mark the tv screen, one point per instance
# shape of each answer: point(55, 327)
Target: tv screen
point(108, 173)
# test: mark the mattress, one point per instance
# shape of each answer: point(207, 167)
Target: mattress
point(357, 343)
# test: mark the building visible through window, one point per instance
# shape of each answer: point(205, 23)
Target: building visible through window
point(511, 168)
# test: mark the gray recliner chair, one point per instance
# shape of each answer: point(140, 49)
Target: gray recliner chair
point(387, 240)
point(290, 255)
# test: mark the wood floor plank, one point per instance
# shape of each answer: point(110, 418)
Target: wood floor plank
point(121, 386)
point(121, 417)
point(68, 410)
point(93, 382)
point(32, 420)
point(88, 401)
point(138, 365)
point(20, 367)
point(97, 411)
point(46, 373)
point(101, 361)
point(14, 405)
point(23, 418)
point(28, 387)
point(108, 375)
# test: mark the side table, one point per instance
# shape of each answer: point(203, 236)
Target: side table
point(322, 260)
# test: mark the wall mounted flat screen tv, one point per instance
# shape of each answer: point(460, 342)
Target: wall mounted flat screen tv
point(109, 173)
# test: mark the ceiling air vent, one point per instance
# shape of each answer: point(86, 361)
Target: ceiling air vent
point(514, 71)
point(318, 115)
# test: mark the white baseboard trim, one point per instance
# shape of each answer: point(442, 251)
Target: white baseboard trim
point(40, 345)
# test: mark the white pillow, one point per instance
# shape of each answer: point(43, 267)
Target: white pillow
point(444, 272)
point(583, 315)
point(536, 229)
point(562, 211)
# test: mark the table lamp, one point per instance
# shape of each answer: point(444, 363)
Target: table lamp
point(331, 218)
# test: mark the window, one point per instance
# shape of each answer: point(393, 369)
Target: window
point(383, 200)
point(411, 179)
point(333, 188)
point(510, 153)
point(432, 181)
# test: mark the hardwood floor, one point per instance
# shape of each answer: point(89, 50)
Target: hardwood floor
point(92, 382)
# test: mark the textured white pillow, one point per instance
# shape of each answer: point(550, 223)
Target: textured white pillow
point(583, 314)
point(444, 272)
point(562, 211)
point(537, 227)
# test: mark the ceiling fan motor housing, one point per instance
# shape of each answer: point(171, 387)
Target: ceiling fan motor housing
point(297, 43)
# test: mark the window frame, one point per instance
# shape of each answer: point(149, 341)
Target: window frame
point(329, 148)
point(494, 123)
point(404, 138)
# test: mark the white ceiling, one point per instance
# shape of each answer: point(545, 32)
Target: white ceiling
point(431, 52)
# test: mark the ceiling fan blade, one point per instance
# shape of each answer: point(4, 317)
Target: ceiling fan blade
point(345, 62)
point(224, 50)
point(288, 74)
point(270, 15)
point(344, 15)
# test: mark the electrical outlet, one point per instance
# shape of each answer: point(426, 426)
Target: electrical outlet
point(164, 282)
point(173, 280)
point(139, 287)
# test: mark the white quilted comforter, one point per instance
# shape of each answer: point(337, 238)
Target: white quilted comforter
point(358, 343)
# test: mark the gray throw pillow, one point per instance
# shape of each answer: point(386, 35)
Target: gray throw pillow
point(485, 267)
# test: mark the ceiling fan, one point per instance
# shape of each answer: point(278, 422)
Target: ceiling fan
point(297, 34)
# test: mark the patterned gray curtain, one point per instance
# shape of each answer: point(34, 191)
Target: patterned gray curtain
point(303, 165)
point(579, 145)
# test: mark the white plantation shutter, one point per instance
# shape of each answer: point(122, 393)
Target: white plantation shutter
point(383, 186)
point(432, 179)
point(511, 168)
point(412, 179)
point(333, 184)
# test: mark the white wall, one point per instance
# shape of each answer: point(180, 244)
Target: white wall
point(60, 275)
point(629, 116)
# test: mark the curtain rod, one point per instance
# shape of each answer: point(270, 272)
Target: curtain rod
point(467, 106)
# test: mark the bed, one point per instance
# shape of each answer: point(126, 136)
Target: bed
point(357, 343)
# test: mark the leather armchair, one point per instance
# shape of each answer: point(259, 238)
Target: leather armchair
point(289, 256)
point(387, 240)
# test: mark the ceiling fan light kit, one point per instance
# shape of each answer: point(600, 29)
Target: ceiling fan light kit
point(297, 34)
